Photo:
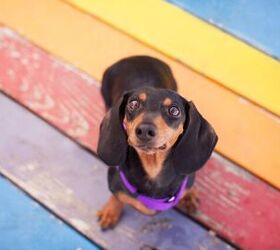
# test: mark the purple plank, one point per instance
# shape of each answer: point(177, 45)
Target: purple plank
point(72, 183)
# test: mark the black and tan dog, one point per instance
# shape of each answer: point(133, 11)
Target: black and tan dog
point(153, 139)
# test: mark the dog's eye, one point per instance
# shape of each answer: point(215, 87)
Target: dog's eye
point(174, 111)
point(133, 105)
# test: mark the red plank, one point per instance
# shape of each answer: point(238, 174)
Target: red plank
point(66, 97)
point(238, 206)
point(234, 203)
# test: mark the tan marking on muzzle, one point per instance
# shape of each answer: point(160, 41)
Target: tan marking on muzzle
point(153, 161)
point(130, 128)
point(165, 134)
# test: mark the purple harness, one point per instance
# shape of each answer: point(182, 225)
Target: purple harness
point(154, 204)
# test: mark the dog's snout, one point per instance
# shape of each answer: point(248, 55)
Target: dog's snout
point(145, 132)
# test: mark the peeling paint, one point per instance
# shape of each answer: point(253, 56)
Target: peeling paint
point(81, 225)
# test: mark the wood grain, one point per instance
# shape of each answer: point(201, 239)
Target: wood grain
point(51, 88)
point(254, 22)
point(248, 134)
point(195, 43)
point(72, 183)
point(32, 227)
point(234, 204)
point(238, 205)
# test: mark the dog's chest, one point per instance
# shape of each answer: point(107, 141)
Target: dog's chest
point(153, 163)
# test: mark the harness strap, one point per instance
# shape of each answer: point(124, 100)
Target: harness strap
point(152, 203)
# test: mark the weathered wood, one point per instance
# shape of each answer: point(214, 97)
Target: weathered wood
point(195, 43)
point(24, 224)
point(230, 197)
point(255, 22)
point(91, 45)
point(66, 97)
point(238, 205)
point(72, 183)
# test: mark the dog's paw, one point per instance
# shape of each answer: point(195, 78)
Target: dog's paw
point(110, 214)
point(190, 201)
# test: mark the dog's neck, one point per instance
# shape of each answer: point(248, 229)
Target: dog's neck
point(152, 162)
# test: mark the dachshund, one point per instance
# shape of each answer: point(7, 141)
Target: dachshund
point(153, 139)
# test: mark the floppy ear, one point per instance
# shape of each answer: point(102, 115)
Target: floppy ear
point(112, 143)
point(196, 143)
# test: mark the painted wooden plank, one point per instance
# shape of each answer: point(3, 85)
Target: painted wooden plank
point(237, 121)
point(238, 206)
point(199, 45)
point(31, 71)
point(256, 22)
point(225, 190)
point(32, 227)
point(73, 184)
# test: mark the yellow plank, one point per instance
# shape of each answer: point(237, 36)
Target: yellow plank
point(203, 47)
point(248, 135)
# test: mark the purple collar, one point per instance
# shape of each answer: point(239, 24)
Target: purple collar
point(154, 204)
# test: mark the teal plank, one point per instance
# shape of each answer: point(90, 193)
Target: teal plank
point(25, 225)
point(256, 22)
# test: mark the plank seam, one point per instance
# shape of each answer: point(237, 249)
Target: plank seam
point(223, 30)
point(20, 187)
point(261, 99)
point(93, 153)
point(149, 45)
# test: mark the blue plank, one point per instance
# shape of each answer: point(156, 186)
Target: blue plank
point(256, 22)
point(24, 224)
point(73, 183)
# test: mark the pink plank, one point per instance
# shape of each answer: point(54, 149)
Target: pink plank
point(234, 203)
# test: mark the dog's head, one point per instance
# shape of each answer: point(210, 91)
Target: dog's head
point(152, 120)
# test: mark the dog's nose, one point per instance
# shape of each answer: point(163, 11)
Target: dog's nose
point(145, 132)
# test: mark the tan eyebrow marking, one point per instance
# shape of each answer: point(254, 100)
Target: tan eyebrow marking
point(167, 101)
point(143, 97)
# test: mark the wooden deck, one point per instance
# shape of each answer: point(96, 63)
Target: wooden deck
point(64, 96)
point(199, 45)
point(72, 183)
point(24, 224)
point(53, 54)
point(56, 30)
point(254, 22)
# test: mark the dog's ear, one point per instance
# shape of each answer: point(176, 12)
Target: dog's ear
point(196, 144)
point(112, 143)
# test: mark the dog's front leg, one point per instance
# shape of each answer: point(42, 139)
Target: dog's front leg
point(126, 199)
point(110, 214)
